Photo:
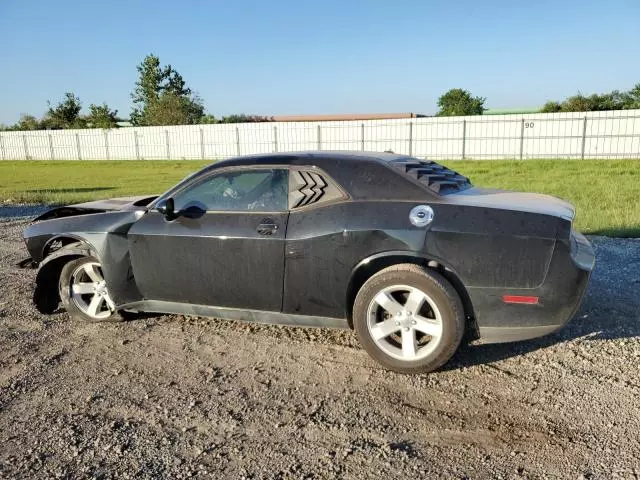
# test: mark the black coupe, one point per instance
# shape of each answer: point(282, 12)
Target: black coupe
point(406, 252)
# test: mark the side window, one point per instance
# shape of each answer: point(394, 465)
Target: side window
point(310, 187)
point(243, 190)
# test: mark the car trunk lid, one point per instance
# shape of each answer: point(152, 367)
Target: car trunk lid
point(518, 201)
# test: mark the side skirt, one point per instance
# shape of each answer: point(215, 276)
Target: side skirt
point(254, 316)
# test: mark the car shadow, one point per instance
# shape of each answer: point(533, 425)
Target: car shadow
point(609, 311)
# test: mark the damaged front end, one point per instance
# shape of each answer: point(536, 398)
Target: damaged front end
point(41, 246)
point(97, 229)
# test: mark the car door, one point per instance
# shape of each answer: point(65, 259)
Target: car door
point(224, 248)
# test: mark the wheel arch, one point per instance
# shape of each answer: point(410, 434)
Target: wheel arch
point(369, 266)
point(57, 242)
point(46, 296)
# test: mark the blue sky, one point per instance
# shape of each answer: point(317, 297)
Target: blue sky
point(304, 57)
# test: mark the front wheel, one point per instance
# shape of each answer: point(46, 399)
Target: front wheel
point(83, 292)
point(409, 318)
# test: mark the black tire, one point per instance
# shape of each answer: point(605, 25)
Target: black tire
point(439, 291)
point(64, 287)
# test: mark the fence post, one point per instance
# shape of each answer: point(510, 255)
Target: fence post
point(464, 138)
point(410, 139)
point(237, 140)
point(136, 144)
point(51, 156)
point(2, 148)
point(522, 138)
point(275, 138)
point(26, 147)
point(584, 136)
point(78, 146)
point(106, 144)
point(319, 138)
point(362, 136)
point(202, 143)
point(166, 141)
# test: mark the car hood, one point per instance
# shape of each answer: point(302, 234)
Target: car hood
point(518, 201)
point(98, 206)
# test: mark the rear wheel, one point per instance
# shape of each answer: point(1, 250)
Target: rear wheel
point(83, 292)
point(409, 318)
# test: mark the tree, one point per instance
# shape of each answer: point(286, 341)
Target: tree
point(27, 122)
point(631, 99)
point(577, 103)
point(460, 102)
point(175, 83)
point(65, 115)
point(614, 100)
point(593, 103)
point(172, 109)
point(158, 88)
point(551, 107)
point(607, 101)
point(148, 87)
point(101, 116)
point(242, 118)
point(208, 119)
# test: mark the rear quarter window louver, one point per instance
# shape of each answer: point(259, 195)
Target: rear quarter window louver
point(308, 187)
point(434, 176)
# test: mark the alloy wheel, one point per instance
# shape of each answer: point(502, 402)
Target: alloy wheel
point(404, 322)
point(89, 291)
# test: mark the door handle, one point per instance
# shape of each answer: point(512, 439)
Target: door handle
point(267, 228)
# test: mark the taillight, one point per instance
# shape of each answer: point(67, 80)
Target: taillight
point(523, 299)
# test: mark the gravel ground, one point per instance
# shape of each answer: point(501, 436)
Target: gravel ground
point(177, 397)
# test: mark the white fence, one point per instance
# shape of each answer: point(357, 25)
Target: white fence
point(614, 134)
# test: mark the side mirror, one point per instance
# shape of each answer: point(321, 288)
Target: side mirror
point(166, 208)
point(193, 211)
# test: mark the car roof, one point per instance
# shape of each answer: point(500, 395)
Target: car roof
point(306, 157)
point(345, 167)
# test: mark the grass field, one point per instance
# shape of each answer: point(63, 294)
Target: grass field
point(606, 193)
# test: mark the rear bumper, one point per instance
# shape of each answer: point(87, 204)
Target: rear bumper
point(515, 334)
point(559, 297)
